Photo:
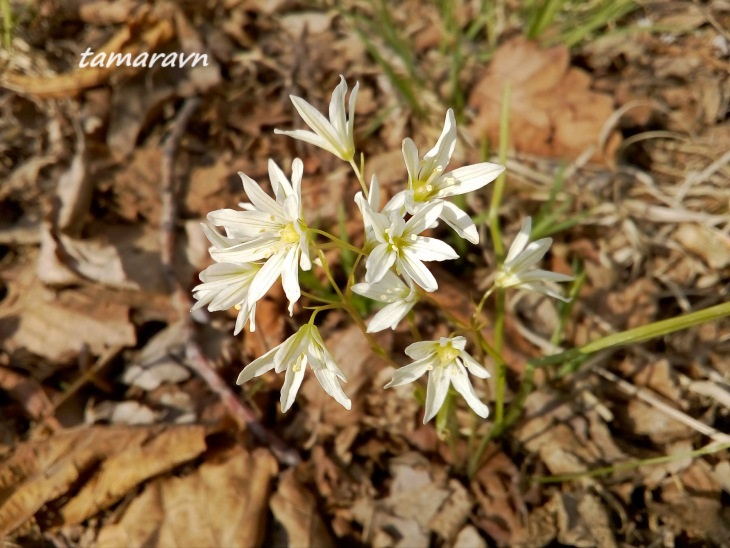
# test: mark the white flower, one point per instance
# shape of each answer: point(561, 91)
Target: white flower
point(270, 230)
point(390, 289)
point(427, 181)
point(398, 243)
point(518, 270)
point(304, 347)
point(226, 285)
point(372, 204)
point(334, 135)
point(447, 363)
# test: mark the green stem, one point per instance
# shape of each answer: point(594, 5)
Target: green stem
point(318, 298)
point(632, 464)
point(336, 240)
point(494, 227)
point(360, 178)
point(638, 334)
point(347, 306)
point(486, 295)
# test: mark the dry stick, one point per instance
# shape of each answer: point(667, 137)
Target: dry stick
point(195, 355)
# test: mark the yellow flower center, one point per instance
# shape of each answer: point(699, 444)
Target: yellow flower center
point(447, 354)
point(422, 190)
point(289, 234)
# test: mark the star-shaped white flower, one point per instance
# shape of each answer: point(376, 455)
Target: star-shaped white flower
point(226, 285)
point(518, 271)
point(304, 347)
point(398, 243)
point(447, 363)
point(268, 230)
point(390, 289)
point(335, 135)
point(427, 181)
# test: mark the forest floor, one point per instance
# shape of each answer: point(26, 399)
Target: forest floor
point(120, 420)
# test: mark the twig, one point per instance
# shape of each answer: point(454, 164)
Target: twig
point(194, 353)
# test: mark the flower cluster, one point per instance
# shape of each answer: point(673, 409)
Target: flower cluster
point(269, 239)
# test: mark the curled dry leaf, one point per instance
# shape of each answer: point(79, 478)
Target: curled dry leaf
point(296, 508)
point(76, 81)
point(553, 111)
point(56, 325)
point(114, 459)
point(222, 503)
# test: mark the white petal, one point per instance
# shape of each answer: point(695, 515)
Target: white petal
point(247, 312)
point(257, 367)
point(292, 349)
point(262, 201)
point(410, 155)
point(305, 262)
point(539, 275)
point(533, 253)
point(374, 194)
point(436, 390)
point(520, 242)
point(545, 290)
point(421, 349)
point(379, 261)
point(458, 342)
point(245, 224)
point(397, 203)
point(309, 137)
point(417, 271)
point(266, 277)
point(432, 249)
point(321, 126)
point(474, 367)
point(409, 373)
point(424, 218)
point(338, 118)
point(440, 155)
point(297, 171)
point(351, 113)
point(247, 252)
point(327, 377)
point(290, 277)
point(216, 239)
point(388, 289)
point(291, 209)
point(461, 383)
point(468, 178)
point(390, 316)
point(292, 381)
point(279, 182)
point(460, 222)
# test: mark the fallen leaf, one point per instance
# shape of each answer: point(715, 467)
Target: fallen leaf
point(553, 111)
point(221, 503)
point(57, 325)
point(297, 510)
point(109, 461)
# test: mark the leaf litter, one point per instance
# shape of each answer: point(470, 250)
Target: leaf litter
point(139, 450)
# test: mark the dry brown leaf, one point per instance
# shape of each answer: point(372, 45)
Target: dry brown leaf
point(583, 521)
point(76, 81)
point(553, 111)
point(563, 437)
point(41, 471)
point(495, 490)
point(29, 394)
point(453, 514)
point(57, 325)
point(74, 191)
point(222, 503)
point(297, 510)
